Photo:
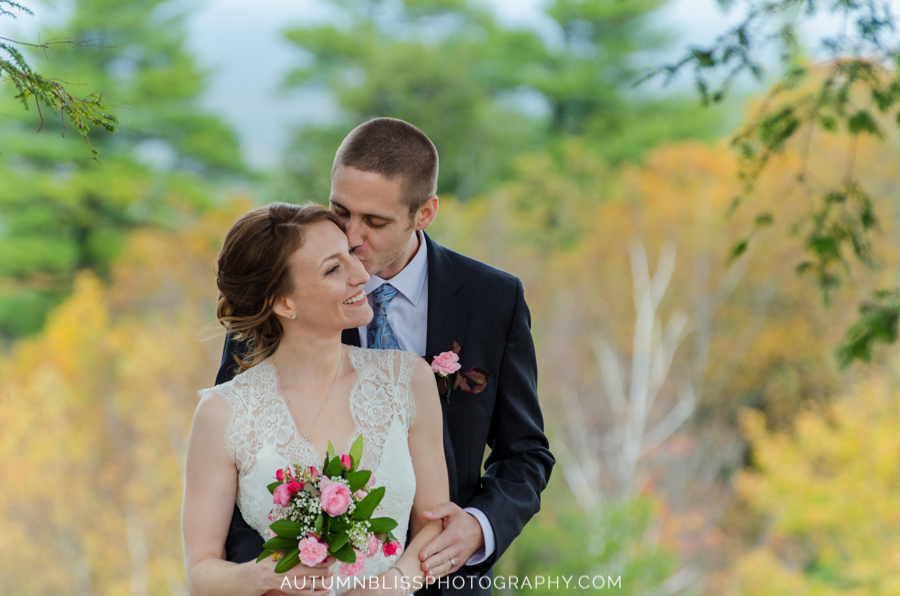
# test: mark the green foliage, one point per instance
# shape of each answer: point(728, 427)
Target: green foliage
point(484, 93)
point(355, 454)
point(366, 507)
point(358, 479)
point(877, 323)
point(290, 560)
point(61, 210)
point(857, 90)
point(379, 525)
point(34, 88)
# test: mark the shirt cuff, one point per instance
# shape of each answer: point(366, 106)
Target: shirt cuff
point(488, 531)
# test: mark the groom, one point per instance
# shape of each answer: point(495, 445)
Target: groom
point(425, 298)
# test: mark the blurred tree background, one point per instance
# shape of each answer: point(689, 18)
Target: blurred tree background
point(708, 441)
point(61, 211)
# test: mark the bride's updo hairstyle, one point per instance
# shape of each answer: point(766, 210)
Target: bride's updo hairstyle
point(253, 272)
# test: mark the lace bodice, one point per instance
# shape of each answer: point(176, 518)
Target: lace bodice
point(261, 437)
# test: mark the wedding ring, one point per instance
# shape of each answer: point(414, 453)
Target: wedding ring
point(452, 563)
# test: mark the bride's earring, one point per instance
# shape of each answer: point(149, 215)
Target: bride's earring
point(293, 315)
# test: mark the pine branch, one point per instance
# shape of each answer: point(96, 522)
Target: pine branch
point(35, 89)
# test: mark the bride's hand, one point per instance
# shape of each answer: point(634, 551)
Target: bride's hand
point(299, 581)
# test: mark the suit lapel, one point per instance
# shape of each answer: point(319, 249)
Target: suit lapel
point(447, 318)
point(447, 312)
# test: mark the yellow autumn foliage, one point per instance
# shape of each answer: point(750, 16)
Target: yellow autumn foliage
point(94, 418)
point(829, 492)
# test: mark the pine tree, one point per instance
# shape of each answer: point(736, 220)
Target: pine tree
point(62, 211)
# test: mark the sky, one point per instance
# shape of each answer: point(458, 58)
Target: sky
point(240, 43)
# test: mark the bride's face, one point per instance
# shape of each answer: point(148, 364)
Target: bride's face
point(328, 282)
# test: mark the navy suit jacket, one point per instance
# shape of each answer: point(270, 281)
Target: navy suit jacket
point(484, 310)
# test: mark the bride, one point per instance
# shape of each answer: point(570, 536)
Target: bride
point(288, 286)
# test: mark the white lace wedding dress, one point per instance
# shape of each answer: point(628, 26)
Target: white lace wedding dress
point(261, 437)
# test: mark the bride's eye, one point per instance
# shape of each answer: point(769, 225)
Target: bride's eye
point(332, 270)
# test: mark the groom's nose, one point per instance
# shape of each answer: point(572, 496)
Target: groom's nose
point(354, 234)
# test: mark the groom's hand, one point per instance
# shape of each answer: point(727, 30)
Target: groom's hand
point(460, 539)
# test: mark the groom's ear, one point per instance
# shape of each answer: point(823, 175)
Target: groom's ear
point(427, 212)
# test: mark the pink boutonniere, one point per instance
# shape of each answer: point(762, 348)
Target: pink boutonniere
point(446, 364)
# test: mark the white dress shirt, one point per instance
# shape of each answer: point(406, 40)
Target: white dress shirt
point(408, 316)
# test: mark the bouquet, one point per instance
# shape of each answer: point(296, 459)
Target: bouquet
point(328, 512)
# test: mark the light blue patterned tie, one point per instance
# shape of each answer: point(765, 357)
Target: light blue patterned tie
point(381, 336)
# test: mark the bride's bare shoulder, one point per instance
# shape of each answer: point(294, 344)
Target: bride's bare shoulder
point(212, 409)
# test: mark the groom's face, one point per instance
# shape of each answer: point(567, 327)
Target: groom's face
point(375, 218)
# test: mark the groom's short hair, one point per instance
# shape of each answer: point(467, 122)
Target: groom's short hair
point(393, 148)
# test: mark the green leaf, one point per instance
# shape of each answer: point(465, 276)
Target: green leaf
point(358, 479)
point(867, 216)
point(263, 555)
point(337, 541)
point(320, 521)
point(381, 524)
point(367, 506)
point(346, 554)
point(273, 486)
point(737, 250)
point(288, 561)
point(826, 247)
point(877, 323)
point(334, 467)
point(287, 528)
point(339, 525)
point(330, 450)
point(862, 122)
point(280, 543)
point(764, 219)
point(703, 58)
point(356, 453)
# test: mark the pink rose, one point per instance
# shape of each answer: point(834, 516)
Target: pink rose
point(361, 494)
point(335, 496)
point(374, 546)
point(346, 462)
point(391, 548)
point(282, 495)
point(371, 481)
point(353, 569)
point(272, 533)
point(445, 364)
point(312, 552)
point(279, 474)
point(313, 471)
point(294, 487)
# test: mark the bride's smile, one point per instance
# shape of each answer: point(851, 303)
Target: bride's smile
point(355, 299)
